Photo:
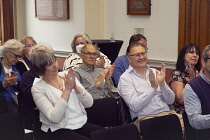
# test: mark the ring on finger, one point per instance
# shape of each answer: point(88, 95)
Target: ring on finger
point(70, 78)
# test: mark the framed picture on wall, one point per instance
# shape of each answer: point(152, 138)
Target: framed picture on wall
point(52, 9)
point(138, 7)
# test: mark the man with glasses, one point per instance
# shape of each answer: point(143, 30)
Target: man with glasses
point(196, 99)
point(122, 63)
point(97, 81)
point(144, 89)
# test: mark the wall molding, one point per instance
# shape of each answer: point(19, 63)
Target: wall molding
point(157, 63)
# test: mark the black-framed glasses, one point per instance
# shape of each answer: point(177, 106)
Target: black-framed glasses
point(91, 54)
point(16, 56)
point(138, 54)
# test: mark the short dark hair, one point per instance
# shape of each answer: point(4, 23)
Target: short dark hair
point(136, 38)
point(180, 66)
point(40, 59)
point(134, 44)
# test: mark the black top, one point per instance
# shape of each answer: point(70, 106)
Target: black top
point(25, 99)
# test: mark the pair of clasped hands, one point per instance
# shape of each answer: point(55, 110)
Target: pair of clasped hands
point(10, 79)
point(160, 77)
point(106, 75)
point(192, 72)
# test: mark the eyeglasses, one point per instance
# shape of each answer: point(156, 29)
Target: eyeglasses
point(29, 45)
point(16, 56)
point(138, 54)
point(93, 54)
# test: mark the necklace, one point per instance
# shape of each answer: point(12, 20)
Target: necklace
point(55, 84)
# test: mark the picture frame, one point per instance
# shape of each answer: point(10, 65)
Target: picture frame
point(138, 7)
point(52, 9)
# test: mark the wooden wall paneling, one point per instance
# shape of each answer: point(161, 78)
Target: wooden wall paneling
point(182, 23)
point(7, 17)
point(1, 23)
point(194, 23)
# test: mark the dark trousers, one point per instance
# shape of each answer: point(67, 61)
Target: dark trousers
point(79, 134)
point(12, 107)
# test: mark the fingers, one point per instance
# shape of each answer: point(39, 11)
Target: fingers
point(163, 68)
point(71, 74)
point(151, 75)
point(197, 73)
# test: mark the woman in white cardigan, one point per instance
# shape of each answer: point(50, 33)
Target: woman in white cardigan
point(61, 100)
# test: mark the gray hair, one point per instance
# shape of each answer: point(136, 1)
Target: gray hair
point(82, 35)
point(41, 46)
point(11, 45)
point(84, 47)
point(40, 59)
point(206, 54)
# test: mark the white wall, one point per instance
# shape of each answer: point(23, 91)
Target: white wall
point(59, 33)
point(161, 27)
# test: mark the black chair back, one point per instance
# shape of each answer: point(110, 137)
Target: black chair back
point(3, 105)
point(104, 112)
point(193, 134)
point(122, 132)
point(38, 133)
point(124, 116)
point(161, 128)
point(110, 49)
point(11, 127)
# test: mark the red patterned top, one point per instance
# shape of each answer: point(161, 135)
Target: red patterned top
point(181, 77)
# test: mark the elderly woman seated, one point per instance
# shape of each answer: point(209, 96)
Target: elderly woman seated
point(28, 43)
point(61, 100)
point(11, 71)
point(74, 59)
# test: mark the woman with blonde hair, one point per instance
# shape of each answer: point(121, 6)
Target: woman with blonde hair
point(28, 43)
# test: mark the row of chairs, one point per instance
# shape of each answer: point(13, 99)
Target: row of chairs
point(105, 112)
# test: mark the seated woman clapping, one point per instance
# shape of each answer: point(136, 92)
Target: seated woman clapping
point(61, 99)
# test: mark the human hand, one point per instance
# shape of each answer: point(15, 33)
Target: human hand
point(110, 72)
point(101, 77)
point(191, 71)
point(152, 80)
point(69, 80)
point(10, 79)
point(100, 63)
point(160, 76)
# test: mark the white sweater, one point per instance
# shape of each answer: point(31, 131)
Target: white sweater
point(55, 111)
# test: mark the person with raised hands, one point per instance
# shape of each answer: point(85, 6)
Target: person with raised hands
point(144, 89)
point(97, 81)
point(187, 67)
point(74, 59)
point(61, 100)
